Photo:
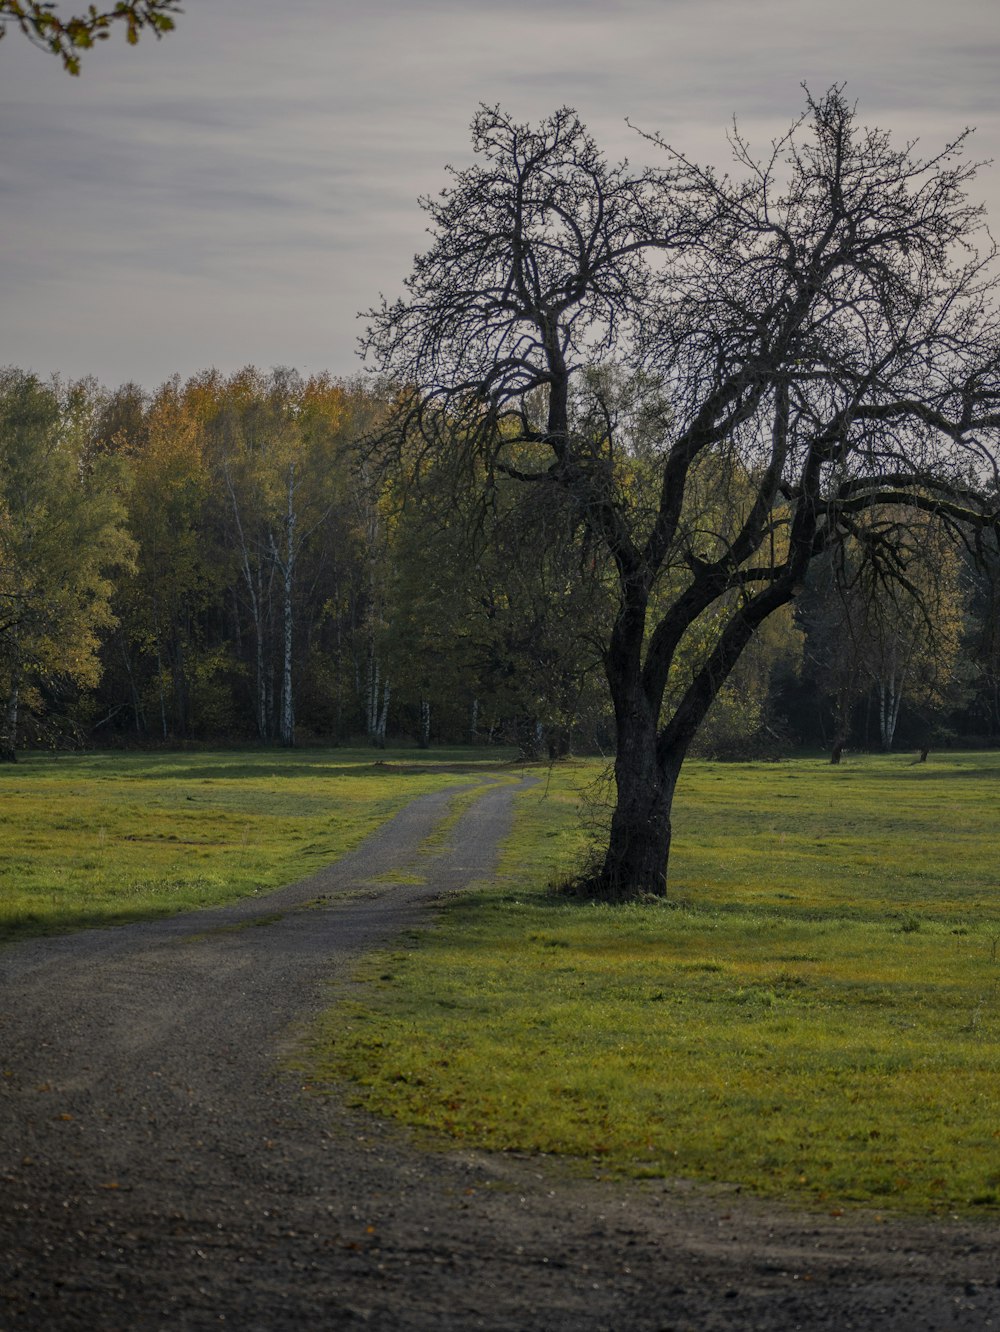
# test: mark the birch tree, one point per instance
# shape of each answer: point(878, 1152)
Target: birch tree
point(898, 636)
point(308, 421)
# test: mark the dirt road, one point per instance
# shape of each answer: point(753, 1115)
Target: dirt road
point(158, 1169)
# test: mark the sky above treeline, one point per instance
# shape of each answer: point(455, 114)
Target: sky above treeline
point(238, 191)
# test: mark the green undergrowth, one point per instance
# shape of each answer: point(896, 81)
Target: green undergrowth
point(814, 1014)
point(102, 839)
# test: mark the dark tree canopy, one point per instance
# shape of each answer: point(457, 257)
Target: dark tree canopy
point(66, 37)
point(727, 375)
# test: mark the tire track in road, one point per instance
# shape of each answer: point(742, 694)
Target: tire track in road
point(395, 846)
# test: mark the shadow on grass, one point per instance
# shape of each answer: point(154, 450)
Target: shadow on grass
point(67, 922)
point(915, 771)
point(556, 901)
point(278, 770)
point(284, 770)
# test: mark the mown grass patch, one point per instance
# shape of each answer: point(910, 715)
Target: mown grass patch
point(101, 839)
point(815, 1014)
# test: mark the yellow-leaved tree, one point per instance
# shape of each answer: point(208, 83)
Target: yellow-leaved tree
point(67, 35)
point(62, 534)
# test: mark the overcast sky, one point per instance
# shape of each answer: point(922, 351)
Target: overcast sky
point(236, 192)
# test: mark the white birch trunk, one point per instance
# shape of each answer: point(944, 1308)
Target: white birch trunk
point(371, 720)
point(425, 723)
point(890, 693)
point(383, 717)
point(288, 571)
point(8, 740)
point(254, 592)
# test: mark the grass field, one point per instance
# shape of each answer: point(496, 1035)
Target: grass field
point(815, 1014)
point(101, 839)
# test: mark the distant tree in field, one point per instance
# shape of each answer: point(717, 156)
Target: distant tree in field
point(545, 607)
point(495, 612)
point(62, 535)
point(745, 720)
point(982, 647)
point(829, 609)
point(888, 616)
point(813, 338)
point(428, 609)
point(66, 36)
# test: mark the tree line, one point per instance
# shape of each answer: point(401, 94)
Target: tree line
point(229, 560)
point(221, 560)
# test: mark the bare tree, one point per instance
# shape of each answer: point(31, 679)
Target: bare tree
point(783, 352)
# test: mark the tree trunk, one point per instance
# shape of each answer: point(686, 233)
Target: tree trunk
point(287, 697)
point(639, 841)
point(287, 566)
point(371, 698)
point(137, 708)
point(8, 729)
point(383, 718)
point(269, 696)
point(890, 697)
point(559, 743)
point(529, 738)
point(159, 665)
point(883, 716)
point(425, 724)
point(377, 705)
point(179, 676)
point(250, 567)
point(287, 726)
point(474, 721)
point(255, 592)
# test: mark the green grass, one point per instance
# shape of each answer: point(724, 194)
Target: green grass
point(815, 1015)
point(102, 839)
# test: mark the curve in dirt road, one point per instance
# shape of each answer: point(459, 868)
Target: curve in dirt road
point(159, 1169)
point(142, 1108)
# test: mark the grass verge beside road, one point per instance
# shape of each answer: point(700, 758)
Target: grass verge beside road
point(101, 839)
point(815, 1014)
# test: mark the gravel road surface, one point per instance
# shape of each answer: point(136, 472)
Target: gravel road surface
point(161, 1168)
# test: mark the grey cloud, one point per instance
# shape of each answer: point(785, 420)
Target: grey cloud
point(271, 157)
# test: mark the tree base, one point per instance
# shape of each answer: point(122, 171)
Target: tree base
point(597, 886)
